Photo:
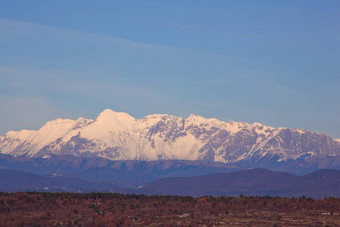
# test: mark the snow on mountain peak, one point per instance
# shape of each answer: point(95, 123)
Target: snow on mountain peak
point(23, 134)
point(198, 120)
point(119, 136)
point(110, 114)
point(256, 124)
point(108, 123)
point(115, 119)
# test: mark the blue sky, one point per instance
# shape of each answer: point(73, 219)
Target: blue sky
point(274, 62)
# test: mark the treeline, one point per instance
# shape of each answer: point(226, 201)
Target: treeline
point(112, 209)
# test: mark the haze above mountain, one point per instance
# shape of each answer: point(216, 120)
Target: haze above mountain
point(119, 136)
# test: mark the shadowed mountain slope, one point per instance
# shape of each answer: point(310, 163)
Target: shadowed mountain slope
point(260, 182)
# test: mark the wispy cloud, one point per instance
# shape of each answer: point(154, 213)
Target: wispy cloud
point(21, 28)
point(70, 73)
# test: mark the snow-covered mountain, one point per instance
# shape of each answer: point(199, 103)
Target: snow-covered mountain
point(119, 136)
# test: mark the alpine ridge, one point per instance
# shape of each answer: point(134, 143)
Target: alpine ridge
point(119, 136)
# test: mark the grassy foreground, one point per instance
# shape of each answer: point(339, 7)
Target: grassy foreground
point(109, 209)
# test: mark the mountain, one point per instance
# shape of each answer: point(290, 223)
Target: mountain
point(122, 173)
point(253, 182)
point(119, 136)
point(14, 180)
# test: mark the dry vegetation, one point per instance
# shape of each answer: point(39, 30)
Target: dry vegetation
point(105, 209)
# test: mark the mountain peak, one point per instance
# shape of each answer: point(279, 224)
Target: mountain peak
point(109, 121)
point(196, 118)
point(109, 115)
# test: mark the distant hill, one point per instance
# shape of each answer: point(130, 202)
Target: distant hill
point(14, 180)
point(260, 182)
point(253, 182)
point(127, 173)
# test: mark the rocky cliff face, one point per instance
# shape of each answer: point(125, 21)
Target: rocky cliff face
point(119, 136)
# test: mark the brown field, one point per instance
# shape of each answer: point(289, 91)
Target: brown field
point(105, 209)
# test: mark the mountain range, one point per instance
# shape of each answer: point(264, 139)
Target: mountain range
point(122, 173)
point(165, 154)
point(119, 136)
point(259, 182)
point(252, 182)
